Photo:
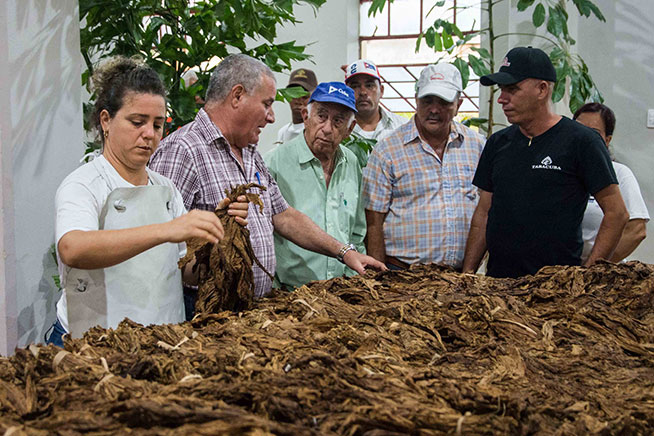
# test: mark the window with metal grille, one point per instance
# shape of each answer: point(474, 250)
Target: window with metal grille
point(389, 40)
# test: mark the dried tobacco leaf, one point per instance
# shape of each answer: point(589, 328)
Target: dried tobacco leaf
point(226, 281)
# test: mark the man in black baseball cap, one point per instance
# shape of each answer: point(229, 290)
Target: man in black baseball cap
point(537, 175)
point(522, 63)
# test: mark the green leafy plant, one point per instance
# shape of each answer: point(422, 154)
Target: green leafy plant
point(175, 36)
point(288, 94)
point(360, 146)
point(549, 15)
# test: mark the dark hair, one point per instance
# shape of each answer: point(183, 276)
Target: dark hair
point(115, 78)
point(608, 117)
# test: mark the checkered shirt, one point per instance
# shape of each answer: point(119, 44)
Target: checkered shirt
point(429, 203)
point(198, 159)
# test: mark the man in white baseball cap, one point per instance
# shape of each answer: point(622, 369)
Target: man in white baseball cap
point(417, 186)
point(373, 121)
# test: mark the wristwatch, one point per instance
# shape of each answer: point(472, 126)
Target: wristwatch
point(344, 249)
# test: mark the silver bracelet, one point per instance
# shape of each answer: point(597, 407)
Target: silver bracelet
point(344, 249)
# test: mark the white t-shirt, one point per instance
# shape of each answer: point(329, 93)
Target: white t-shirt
point(78, 204)
point(632, 199)
point(288, 132)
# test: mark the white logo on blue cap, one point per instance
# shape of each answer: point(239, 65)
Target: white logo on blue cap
point(335, 89)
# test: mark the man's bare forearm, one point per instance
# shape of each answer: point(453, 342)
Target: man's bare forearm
point(301, 230)
point(475, 246)
point(375, 245)
point(476, 243)
point(612, 225)
point(633, 234)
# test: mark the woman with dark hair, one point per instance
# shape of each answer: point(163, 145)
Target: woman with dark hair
point(600, 118)
point(120, 226)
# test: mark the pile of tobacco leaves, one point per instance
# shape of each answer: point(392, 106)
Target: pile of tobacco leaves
point(426, 351)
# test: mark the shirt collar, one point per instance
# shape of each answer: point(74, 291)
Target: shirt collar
point(385, 117)
point(457, 132)
point(411, 132)
point(211, 131)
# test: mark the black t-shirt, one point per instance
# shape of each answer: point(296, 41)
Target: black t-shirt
point(540, 192)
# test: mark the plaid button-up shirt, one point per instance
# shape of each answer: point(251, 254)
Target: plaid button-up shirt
point(429, 202)
point(198, 159)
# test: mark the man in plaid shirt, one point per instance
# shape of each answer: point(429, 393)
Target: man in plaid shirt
point(217, 151)
point(417, 186)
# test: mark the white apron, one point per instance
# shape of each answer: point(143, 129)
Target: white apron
point(146, 288)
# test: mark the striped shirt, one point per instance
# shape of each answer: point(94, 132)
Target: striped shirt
point(198, 159)
point(429, 203)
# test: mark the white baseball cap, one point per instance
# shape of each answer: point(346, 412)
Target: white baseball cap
point(442, 80)
point(362, 66)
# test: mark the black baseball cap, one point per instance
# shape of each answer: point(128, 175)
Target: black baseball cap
point(519, 64)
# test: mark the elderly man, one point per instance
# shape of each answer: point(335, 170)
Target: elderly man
point(322, 179)
point(305, 79)
point(535, 178)
point(417, 187)
point(217, 151)
point(373, 121)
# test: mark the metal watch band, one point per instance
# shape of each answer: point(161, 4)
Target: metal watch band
point(344, 249)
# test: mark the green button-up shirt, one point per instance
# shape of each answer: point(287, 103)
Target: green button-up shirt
point(336, 208)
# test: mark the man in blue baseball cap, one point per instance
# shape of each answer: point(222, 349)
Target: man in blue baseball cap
point(321, 179)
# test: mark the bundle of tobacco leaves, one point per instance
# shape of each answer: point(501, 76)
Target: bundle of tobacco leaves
point(226, 281)
point(426, 351)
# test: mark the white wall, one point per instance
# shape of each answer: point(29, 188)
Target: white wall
point(8, 328)
point(334, 37)
point(40, 143)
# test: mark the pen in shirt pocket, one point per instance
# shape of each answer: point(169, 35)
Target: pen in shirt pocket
point(258, 177)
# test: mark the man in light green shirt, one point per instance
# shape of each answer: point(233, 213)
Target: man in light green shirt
point(322, 179)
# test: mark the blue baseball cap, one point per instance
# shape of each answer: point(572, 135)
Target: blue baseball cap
point(334, 92)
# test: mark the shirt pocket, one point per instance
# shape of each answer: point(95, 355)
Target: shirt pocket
point(348, 202)
point(265, 199)
point(345, 213)
point(465, 174)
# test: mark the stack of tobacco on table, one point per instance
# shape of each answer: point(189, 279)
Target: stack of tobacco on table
point(426, 351)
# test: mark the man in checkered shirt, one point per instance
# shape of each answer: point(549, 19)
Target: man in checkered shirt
point(417, 186)
point(217, 151)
